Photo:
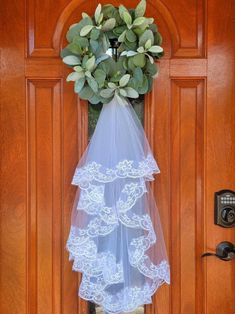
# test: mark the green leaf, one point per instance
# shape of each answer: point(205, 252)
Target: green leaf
point(121, 38)
point(131, 36)
point(86, 93)
point(139, 60)
point(127, 18)
point(138, 75)
point(109, 25)
point(119, 30)
point(94, 45)
point(148, 34)
point(95, 33)
point(143, 89)
point(71, 60)
point(150, 58)
point(81, 41)
point(124, 80)
point(123, 92)
point(140, 9)
point(90, 63)
point(112, 85)
point(156, 49)
point(78, 69)
point(131, 92)
point(74, 48)
point(122, 10)
point(141, 50)
point(86, 30)
point(148, 44)
point(78, 85)
point(98, 12)
point(106, 93)
point(139, 21)
point(100, 76)
point(100, 18)
point(95, 99)
point(102, 58)
point(131, 64)
point(157, 39)
point(74, 76)
point(93, 84)
point(84, 15)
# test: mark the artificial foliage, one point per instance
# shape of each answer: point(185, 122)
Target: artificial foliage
point(97, 76)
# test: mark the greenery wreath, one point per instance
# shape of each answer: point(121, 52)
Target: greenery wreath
point(97, 75)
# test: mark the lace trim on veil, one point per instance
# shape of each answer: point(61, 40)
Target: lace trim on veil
point(101, 269)
point(94, 171)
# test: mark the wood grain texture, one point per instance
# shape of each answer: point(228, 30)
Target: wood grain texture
point(189, 121)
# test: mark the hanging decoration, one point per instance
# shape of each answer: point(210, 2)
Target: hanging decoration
point(116, 239)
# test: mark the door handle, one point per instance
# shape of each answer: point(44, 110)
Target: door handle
point(224, 250)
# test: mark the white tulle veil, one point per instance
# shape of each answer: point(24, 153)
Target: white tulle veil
point(116, 238)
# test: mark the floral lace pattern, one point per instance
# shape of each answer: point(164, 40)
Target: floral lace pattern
point(101, 268)
point(128, 298)
point(126, 168)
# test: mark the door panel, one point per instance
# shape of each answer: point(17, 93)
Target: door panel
point(188, 119)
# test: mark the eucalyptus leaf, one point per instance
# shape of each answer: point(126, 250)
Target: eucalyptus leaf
point(95, 33)
point(78, 68)
point(127, 18)
point(78, 85)
point(71, 60)
point(106, 93)
point(123, 92)
point(131, 92)
point(100, 76)
point(131, 36)
point(156, 49)
point(102, 58)
point(100, 18)
point(122, 10)
point(84, 15)
point(157, 39)
point(86, 93)
point(148, 44)
point(81, 41)
point(93, 84)
point(148, 34)
point(139, 21)
point(124, 80)
point(74, 48)
point(112, 85)
point(95, 99)
point(140, 9)
point(98, 12)
point(94, 45)
point(74, 76)
point(65, 52)
point(139, 60)
point(150, 58)
point(86, 30)
point(119, 30)
point(138, 75)
point(109, 25)
point(121, 38)
point(90, 63)
point(143, 89)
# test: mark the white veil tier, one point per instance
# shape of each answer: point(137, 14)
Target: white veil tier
point(116, 238)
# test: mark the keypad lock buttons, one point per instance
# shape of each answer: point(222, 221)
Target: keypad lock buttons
point(225, 208)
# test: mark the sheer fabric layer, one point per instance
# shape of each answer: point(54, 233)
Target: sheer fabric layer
point(112, 240)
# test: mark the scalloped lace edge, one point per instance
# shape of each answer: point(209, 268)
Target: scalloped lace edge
point(94, 171)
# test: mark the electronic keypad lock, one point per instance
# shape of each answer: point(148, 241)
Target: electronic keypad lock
point(225, 208)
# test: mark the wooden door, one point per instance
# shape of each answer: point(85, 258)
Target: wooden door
point(189, 120)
